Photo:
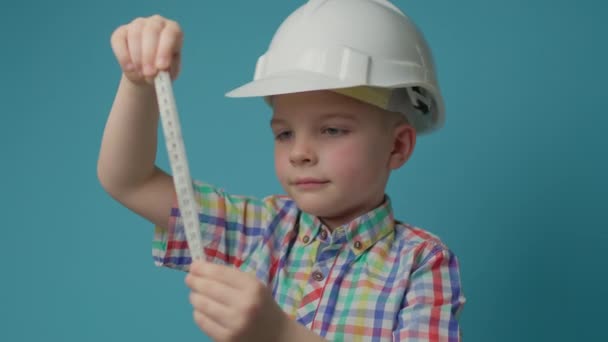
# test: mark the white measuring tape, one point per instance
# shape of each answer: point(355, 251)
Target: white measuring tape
point(174, 141)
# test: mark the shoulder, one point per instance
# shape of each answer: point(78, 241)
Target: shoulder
point(420, 244)
point(413, 235)
point(280, 202)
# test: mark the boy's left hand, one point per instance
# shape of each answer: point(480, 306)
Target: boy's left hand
point(231, 305)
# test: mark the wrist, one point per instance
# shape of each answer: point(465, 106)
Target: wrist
point(137, 97)
point(285, 329)
point(137, 87)
point(292, 331)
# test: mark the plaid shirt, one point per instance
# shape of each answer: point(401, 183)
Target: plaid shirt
point(373, 279)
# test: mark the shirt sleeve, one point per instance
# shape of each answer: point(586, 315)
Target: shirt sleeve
point(434, 300)
point(231, 226)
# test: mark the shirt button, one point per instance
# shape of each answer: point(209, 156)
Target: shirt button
point(323, 235)
point(305, 239)
point(317, 275)
point(358, 244)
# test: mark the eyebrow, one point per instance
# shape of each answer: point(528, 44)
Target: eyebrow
point(326, 116)
point(274, 122)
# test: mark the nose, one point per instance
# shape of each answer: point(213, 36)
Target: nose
point(302, 152)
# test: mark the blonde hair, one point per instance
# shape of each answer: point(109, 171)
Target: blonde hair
point(383, 98)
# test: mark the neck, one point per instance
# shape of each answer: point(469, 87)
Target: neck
point(340, 220)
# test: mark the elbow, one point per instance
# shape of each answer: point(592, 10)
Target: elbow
point(105, 180)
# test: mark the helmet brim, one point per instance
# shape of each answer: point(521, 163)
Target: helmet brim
point(301, 81)
point(288, 82)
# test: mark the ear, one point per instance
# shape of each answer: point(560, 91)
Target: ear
point(404, 140)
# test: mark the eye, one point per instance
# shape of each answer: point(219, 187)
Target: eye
point(283, 135)
point(334, 131)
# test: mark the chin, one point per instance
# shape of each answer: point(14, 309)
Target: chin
point(312, 204)
point(322, 207)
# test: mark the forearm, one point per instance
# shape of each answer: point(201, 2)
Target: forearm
point(295, 332)
point(128, 147)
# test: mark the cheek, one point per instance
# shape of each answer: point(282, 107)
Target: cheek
point(280, 162)
point(347, 160)
point(356, 162)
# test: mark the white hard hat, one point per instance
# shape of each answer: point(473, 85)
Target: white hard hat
point(336, 44)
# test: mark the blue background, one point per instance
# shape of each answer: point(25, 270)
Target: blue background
point(515, 183)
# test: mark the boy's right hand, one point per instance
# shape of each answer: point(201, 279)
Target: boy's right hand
point(145, 46)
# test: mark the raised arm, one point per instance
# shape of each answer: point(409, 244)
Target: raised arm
point(126, 165)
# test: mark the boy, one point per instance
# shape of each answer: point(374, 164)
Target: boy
point(328, 261)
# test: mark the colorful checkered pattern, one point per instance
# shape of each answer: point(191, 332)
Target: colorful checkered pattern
point(374, 279)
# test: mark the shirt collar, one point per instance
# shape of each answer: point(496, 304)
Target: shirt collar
point(361, 233)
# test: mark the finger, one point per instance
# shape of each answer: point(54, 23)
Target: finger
point(219, 292)
point(175, 68)
point(169, 46)
point(150, 35)
point(120, 48)
point(134, 43)
point(219, 313)
point(195, 266)
point(210, 327)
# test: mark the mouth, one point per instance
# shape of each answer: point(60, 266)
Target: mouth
point(309, 183)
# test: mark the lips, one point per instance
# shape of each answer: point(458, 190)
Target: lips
point(310, 181)
point(309, 184)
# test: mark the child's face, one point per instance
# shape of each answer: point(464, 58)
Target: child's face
point(334, 154)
